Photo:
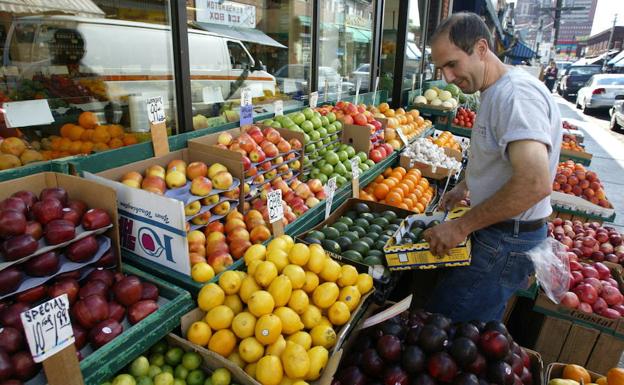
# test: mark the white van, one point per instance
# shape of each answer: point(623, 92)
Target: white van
point(133, 58)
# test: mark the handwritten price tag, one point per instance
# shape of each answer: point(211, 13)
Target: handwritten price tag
point(330, 189)
point(246, 110)
point(48, 328)
point(313, 99)
point(355, 168)
point(155, 110)
point(402, 136)
point(278, 107)
point(274, 203)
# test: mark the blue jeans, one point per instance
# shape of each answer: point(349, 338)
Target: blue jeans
point(499, 267)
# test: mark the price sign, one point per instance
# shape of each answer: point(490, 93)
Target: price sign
point(402, 136)
point(27, 113)
point(358, 84)
point(330, 189)
point(313, 99)
point(274, 204)
point(278, 107)
point(156, 110)
point(355, 174)
point(246, 110)
point(48, 328)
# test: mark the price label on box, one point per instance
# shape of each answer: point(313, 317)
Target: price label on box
point(48, 328)
point(278, 107)
point(313, 99)
point(275, 206)
point(402, 136)
point(156, 110)
point(330, 189)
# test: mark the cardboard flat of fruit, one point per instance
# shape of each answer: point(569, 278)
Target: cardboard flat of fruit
point(555, 370)
point(406, 249)
point(439, 108)
point(427, 170)
point(579, 204)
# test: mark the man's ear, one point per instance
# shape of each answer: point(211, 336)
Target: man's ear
point(482, 48)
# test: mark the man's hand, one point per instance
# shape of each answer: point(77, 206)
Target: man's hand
point(451, 198)
point(444, 237)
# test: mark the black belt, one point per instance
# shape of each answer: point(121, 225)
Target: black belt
point(523, 226)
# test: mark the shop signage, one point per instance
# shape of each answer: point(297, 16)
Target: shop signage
point(48, 328)
point(226, 13)
point(358, 21)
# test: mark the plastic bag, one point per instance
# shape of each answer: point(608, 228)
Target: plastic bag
point(552, 268)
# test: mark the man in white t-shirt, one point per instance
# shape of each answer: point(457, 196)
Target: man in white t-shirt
point(514, 151)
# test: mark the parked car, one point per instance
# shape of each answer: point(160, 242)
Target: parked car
point(362, 73)
point(600, 91)
point(294, 78)
point(617, 113)
point(562, 66)
point(575, 77)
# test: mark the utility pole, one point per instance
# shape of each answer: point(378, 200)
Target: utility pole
point(604, 63)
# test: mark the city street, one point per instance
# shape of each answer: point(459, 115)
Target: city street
point(607, 148)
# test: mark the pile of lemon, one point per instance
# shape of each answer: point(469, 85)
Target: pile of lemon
point(277, 320)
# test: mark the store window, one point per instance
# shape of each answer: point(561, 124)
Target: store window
point(345, 46)
point(84, 70)
point(262, 45)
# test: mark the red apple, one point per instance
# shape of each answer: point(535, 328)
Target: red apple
point(32, 295)
point(28, 197)
point(586, 293)
point(149, 291)
point(42, 265)
point(90, 311)
point(11, 339)
point(67, 286)
point(58, 193)
point(19, 247)
point(103, 275)
point(116, 311)
point(12, 223)
point(15, 204)
point(104, 332)
point(24, 366)
point(128, 291)
point(612, 295)
point(80, 336)
point(603, 271)
point(140, 310)
point(83, 249)
point(58, 231)
point(570, 300)
point(93, 288)
point(95, 219)
point(11, 315)
point(72, 215)
point(10, 279)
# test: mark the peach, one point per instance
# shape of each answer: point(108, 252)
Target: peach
point(177, 165)
point(222, 208)
point(192, 208)
point(238, 248)
point(196, 258)
point(13, 146)
point(211, 200)
point(215, 236)
point(253, 214)
point(197, 248)
point(225, 138)
point(233, 194)
point(196, 236)
point(239, 233)
point(132, 179)
point(315, 185)
point(215, 168)
point(252, 223)
point(290, 156)
point(216, 226)
point(220, 262)
point(222, 180)
point(312, 201)
point(283, 146)
point(196, 169)
point(217, 247)
point(303, 191)
point(295, 143)
point(201, 186)
point(175, 179)
point(155, 170)
point(154, 184)
point(234, 214)
point(202, 218)
point(259, 234)
point(234, 223)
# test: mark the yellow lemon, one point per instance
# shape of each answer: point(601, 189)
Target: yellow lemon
point(199, 333)
point(222, 342)
point(277, 347)
point(318, 359)
point(202, 272)
point(280, 289)
point(279, 258)
point(338, 313)
point(211, 295)
point(251, 369)
point(255, 252)
point(325, 295)
point(219, 317)
point(299, 301)
point(351, 296)
point(364, 283)
point(299, 254)
point(230, 282)
point(251, 268)
point(286, 381)
point(311, 317)
point(289, 241)
point(248, 287)
point(295, 360)
point(250, 349)
point(300, 382)
point(268, 329)
point(265, 273)
point(291, 323)
point(311, 282)
point(302, 338)
point(221, 376)
point(317, 259)
point(296, 275)
point(269, 370)
point(324, 322)
point(348, 276)
point(234, 302)
point(236, 358)
point(323, 335)
point(244, 324)
point(331, 271)
point(240, 273)
point(278, 244)
point(261, 303)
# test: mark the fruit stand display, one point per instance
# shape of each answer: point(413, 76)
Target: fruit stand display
point(573, 150)
point(411, 124)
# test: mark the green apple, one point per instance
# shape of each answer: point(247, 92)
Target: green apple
point(348, 175)
point(331, 129)
point(316, 122)
point(322, 131)
point(319, 144)
point(267, 122)
point(144, 380)
point(306, 138)
point(276, 125)
point(369, 162)
point(323, 151)
point(347, 164)
point(308, 113)
point(364, 167)
point(314, 136)
point(331, 117)
point(340, 169)
point(334, 137)
point(286, 121)
point(350, 151)
point(180, 372)
point(298, 118)
point(327, 140)
point(338, 125)
point(317, 114)
point(341, 180)
point(320, 163)
point(307, 126)
point(327, 169)
point(362, 156)
point(310, 148)
point(323, 178)
point(342, 155)
point(332, 158)
point(324, 121)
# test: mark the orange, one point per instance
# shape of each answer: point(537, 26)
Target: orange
point(408, 202)
point(398, 191)
point(86, 148)
point(75, 132)
point(615, 376)
point(383, 107)
point(116, 131)
point(387, 172)
point(75, 147)
point(409, 183)
point(65, 144)
point(400, 170)
point(601, 381)
point(55, 143)
point(400, 111)
point(100, 147)
point(397, 175)
point(115, 143)
point(393, 198)
point(88, 120)
point(576, 373)
point(65, 130)
point(405, 188)
point(403, 206)
point(87, 135)
point(419, 206)
point(101, 135)
point(379, 179)
point(424, 182)
point(129, 139)
point(381, 190)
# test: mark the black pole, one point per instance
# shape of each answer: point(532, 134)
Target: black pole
point(316, 25)
point(557, 23)
point(377, 39)
point(181, 65)
point(399, 63)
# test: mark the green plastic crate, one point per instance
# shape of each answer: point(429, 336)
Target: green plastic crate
point(460, 131)
point(34, 168)
point(114, 356)
point(583, 161)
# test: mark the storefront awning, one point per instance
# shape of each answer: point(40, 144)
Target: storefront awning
point(521, 51)
point(360, 35)
point(244, 34)
point(85, 8)
point(617, 58)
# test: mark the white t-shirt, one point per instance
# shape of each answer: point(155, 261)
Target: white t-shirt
point(516, 107)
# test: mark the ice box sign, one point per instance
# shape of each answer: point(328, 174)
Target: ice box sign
point(48, 328)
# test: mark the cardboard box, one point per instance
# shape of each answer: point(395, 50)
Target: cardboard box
point(428, 170)
point(335, 353)
point(417, 255)
point(579, 204)
point(375, 271)
point(93, 194)
point(360, 136)
point(154, 226)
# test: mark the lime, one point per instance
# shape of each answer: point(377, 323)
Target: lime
point(221, 376)
point(196, 377)
point(327, 169)
point(332, 158)
point(157, 359)
point(191, 360)
point(180, 372)
point(167, 369)
point(174, 356)
point(124, 379)
point(163, 379)
point(139, 367)
point(144, 380)
point(159, 347)
point(153, 371)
